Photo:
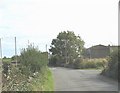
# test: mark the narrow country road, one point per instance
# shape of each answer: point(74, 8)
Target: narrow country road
point(82, 80)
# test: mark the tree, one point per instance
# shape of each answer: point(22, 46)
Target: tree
point(66, 47)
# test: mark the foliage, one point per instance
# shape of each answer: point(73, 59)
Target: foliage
point(15, 81)
point(112, 69)
point(53, 61)
point(77, 63)
point(13, 58)
point(44, 81)
point(66, 48)
point(31, 73)
point(5, 67)
point(4, 57)
point(91, 63)
point(32, 60)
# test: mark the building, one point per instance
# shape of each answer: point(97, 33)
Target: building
point(99, 51)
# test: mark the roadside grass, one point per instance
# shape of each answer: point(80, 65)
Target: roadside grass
point(43, 82)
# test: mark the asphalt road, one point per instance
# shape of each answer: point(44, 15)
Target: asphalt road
point(82, 80)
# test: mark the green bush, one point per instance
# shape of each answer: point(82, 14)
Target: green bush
point(6, 67)
point(112, 69)
point(90, 63)
point(15, 81)
point(77, 63)
point(52, 61)
point(32, 60)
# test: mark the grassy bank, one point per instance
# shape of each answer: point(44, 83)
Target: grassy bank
point(44, 82)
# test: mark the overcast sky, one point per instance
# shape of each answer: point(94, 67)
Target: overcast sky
point(40, 21)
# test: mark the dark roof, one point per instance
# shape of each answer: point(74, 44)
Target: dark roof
point(97, 46)
point(100, 45)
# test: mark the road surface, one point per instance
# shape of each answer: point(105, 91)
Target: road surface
point(82, 80)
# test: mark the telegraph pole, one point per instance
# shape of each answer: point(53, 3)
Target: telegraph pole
point(90, 53)
point(15, 51)
point(28, 42)
point(1, 50)
point(66, 51)
point(46, 47)
point(1, 66)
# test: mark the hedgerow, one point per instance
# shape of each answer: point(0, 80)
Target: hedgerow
point(31, 63)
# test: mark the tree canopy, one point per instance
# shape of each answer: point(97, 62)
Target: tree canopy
point(67, 47)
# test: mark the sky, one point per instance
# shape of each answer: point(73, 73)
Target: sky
point(40, 21)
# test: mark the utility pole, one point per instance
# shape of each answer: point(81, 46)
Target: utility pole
point(1, 50)
point(66, 51)
point(46, 47)
point(28, 43)
point(1, 66)
point(89, 53)
point(15, 51)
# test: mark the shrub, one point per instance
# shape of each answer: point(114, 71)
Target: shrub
point(90, 63)
point(5, 67)
point(52, 61)
point(112, 69)
point(77, 63)
point(32, 60)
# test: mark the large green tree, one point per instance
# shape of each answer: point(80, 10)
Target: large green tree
point(67, 47)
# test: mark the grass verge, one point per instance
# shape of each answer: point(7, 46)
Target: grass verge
point(43, 82)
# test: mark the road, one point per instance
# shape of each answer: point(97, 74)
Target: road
point(82, 80)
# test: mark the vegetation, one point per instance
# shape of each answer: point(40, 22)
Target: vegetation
point(16, 81)
point(91, 63)
point(32, 60)
point(66, 48)
point(13, 58)
point(112, 69)
point(31, 74)
point(43, 82)
point(7, 60)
